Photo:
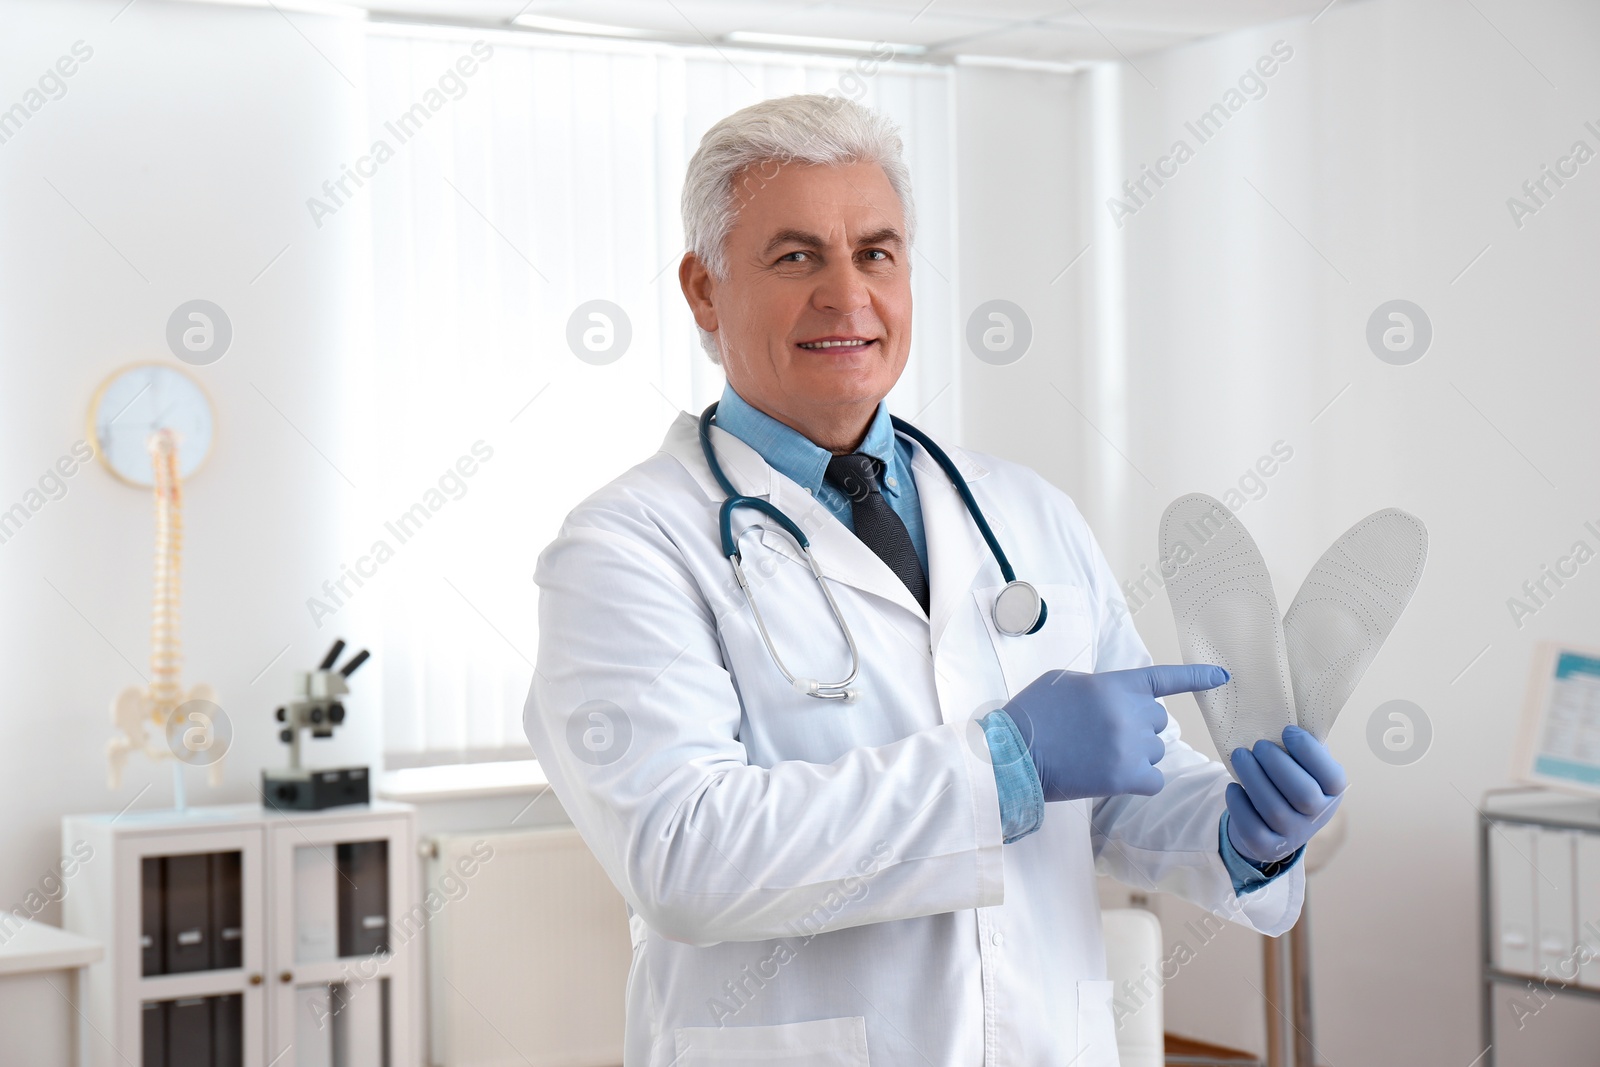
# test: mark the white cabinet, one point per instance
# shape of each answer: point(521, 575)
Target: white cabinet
point(241, 937)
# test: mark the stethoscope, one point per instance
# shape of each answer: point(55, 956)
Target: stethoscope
point(1018, 608)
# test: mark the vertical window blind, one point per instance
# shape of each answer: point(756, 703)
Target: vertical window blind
point(511, 179)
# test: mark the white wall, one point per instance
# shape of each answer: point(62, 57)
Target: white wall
point(1021, 223)
point(187, 145)
point(1390, 141)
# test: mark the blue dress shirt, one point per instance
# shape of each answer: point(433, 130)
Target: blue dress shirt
point(791, 453)
point(804, 462)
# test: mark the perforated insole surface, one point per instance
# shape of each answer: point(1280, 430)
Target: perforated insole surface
point(1226, 613)
point(1346, 609)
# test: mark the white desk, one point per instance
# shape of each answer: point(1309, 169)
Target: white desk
point(39, 967)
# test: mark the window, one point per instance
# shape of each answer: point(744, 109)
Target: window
point(523, 177)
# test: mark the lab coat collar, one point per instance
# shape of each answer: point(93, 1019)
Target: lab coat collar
point(802, 459)
point(753, 476)
point(956, 549)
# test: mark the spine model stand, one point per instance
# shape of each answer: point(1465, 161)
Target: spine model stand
point(136, 710)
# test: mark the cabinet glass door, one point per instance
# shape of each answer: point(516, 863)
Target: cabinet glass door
point(191, 965)
point(339, 992)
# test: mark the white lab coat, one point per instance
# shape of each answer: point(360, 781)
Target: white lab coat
point(814, 882)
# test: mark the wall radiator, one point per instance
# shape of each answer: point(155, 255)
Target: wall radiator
point(528, 954)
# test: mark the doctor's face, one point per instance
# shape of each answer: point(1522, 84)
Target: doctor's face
point(817, 254)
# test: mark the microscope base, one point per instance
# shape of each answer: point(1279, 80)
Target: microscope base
point(288, 790)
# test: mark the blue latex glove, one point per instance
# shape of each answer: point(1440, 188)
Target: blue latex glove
point(1095, 735)
point(1288, 794)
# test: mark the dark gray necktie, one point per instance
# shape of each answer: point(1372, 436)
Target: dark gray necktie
point(856, 476)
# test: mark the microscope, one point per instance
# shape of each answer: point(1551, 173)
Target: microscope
point(316, 707)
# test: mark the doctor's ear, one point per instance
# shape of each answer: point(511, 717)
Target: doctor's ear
point(697, 283)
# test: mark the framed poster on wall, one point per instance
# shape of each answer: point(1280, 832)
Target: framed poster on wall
point(1560, 736)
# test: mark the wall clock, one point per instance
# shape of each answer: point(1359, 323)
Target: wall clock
point(136, 401)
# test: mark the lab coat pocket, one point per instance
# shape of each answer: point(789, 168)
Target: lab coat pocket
point(767, 554)
point(1065, 641)
point(780, 542)
point(1097, 1029)
point(840, 1042)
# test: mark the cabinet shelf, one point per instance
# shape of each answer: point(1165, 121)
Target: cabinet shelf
point(190, 984)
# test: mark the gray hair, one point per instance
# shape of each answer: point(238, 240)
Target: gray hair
point(810, 128)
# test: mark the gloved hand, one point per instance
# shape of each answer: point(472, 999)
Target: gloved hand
point(1289, 793)
point(1095, 735)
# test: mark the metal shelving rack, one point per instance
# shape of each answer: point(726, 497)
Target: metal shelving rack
point(1526, 806)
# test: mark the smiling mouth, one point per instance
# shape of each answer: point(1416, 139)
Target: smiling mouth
point(822, 346)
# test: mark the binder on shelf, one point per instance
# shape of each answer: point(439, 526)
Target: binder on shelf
point(227, 1030)
point(1588, 878)
point(150, 915)
point(1554, 903)
point(363, 898)
point(153, 1033)
point(187, 913)
point(227, 909)
point(189, 1032)
point(385, 1023)
point(193, 1032)
point(1511, 853)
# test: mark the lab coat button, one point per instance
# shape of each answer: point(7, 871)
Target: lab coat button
point(998, 939)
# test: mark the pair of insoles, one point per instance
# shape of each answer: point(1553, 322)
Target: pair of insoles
point(1300, 669)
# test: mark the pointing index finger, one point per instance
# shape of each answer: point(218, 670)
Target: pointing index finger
point(1167, 679)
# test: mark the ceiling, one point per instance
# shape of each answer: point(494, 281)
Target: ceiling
point(1056, 31)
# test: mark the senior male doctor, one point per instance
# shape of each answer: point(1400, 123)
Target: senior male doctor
point(906, 877)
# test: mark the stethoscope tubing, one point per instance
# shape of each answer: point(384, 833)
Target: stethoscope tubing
point(730, 548)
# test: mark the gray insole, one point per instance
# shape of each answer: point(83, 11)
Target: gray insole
point(1300, 669)
point(1225, 611)
point(1346, 609)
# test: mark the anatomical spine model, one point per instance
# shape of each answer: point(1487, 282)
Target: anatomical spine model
point(135, 711)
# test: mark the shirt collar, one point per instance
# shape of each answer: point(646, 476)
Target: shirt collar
point(797, 457)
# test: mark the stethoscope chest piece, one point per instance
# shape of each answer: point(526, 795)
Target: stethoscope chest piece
point(1018, 609)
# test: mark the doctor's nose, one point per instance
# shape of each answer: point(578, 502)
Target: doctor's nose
point(841, 290)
